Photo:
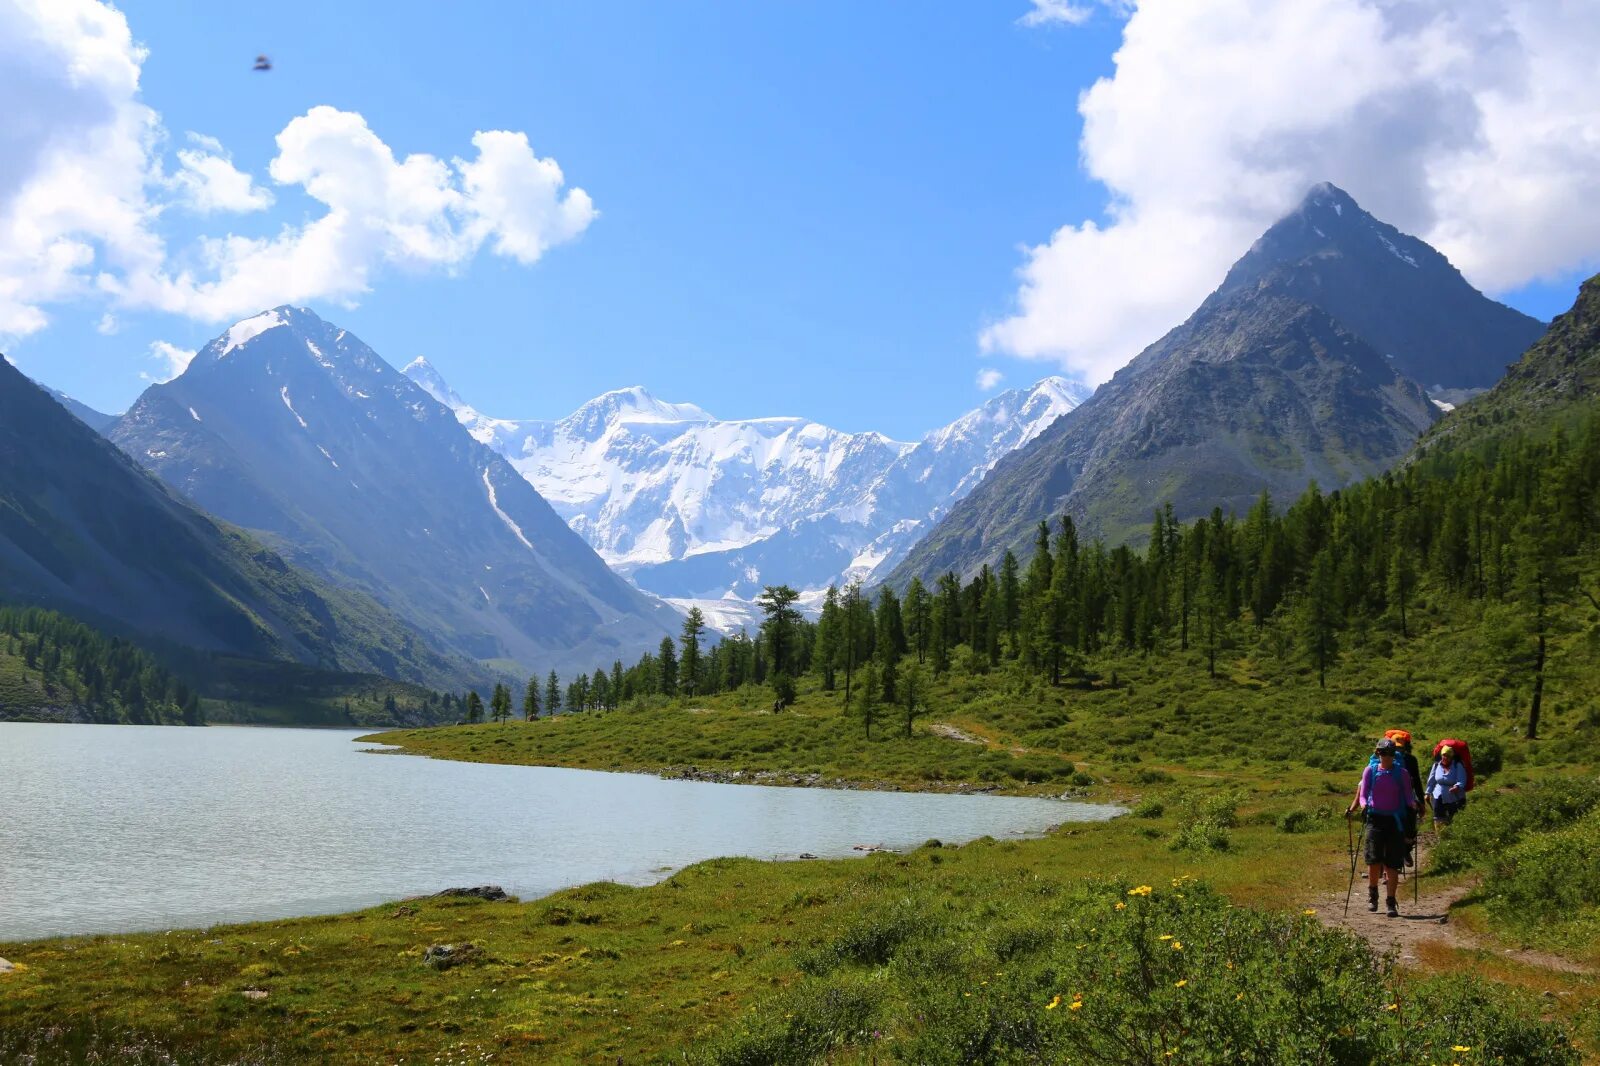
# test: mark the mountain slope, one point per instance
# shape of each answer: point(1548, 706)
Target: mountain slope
point(1556, 378)
point(85, 531)
point(98, 421)
point(293, 428)
point(1262, 388)
point(1390, 289)
point(696, 508)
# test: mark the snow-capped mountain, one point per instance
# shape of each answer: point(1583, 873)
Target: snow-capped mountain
point(691, 507)
point(295, 429)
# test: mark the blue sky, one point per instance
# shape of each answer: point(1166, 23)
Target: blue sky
point(804, 208)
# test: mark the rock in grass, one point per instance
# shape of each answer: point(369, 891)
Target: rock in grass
point(6, 967)
point(444, 956)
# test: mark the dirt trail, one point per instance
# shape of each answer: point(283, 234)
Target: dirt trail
point(1425, 920)
point(950, 732)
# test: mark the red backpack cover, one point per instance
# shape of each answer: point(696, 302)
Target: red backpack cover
point(1462, 752)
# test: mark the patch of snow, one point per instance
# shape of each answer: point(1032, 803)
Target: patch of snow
point(284, 392)
point(326, 456)
point(495, 503)
point(1396, 252)
point(193, 414)
point(1441, 405)
point(155, 454)
point(317, 354)
point(485, 592)
point(1338, 208)
point(248, 330)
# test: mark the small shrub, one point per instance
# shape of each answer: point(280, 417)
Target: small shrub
point(811, 1023)
point(868, 941)
point(1294, 821)
point(1149, 807)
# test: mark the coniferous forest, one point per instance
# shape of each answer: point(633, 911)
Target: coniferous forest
point(1506, 524)
point(51, 665)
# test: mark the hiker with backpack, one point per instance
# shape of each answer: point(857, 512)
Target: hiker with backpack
point(1385, 796)
point(1447, 786)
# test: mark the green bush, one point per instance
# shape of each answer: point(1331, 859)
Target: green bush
point(1493, 823)
point(1294, 822)
point(870, 940)
point(1204, 819)
point(1549, 878)
point(1149, 807)
point(1175, 974)
point(815, 1020)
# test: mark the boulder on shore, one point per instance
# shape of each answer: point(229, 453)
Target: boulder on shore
point(492, 893)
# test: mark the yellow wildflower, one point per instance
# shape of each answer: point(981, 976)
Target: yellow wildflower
point(1181, 983)
point(1461, 1047)
point(1076, 1004)
point(1053, 1004)
point(1309, 911)
point(1177, 945)
point(1142, 890)
point(1164, 936)
point(1391, 1006)
point(1121, 906)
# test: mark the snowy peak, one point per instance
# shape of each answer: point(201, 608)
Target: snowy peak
point(420, 371)
point(631, 405)
point(695, 508)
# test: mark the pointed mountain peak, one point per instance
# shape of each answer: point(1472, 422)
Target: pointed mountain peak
point(274, 338)
point(423, 374)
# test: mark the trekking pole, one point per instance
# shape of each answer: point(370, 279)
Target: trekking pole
point(1353, 853)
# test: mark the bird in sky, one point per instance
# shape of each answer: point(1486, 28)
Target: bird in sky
point(262, 63)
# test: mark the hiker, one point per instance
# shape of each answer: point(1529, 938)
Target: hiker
point(1447, 786)
point(1385, 796)
point(1402, 740)
point(1404, 757)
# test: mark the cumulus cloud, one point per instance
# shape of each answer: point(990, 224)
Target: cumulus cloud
point(75, 154)
point(83, 185)
point(173, 359)
point(208, 182)
point(1471, 123)
point(988, 378)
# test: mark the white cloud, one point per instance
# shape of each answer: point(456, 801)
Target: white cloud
point(1472, 123)
point(75, 154)
point(1056, 13)
point(174, 360)
point(988, 378)
point(208, 182)
point(515, 197)
point(83, 187)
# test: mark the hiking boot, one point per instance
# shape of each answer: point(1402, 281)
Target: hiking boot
point(1372, 897)
point(1394, 911)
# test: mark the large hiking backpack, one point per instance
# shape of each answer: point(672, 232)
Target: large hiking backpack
point(1462, 752)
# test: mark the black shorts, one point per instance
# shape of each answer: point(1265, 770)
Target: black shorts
point(1386, 842)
